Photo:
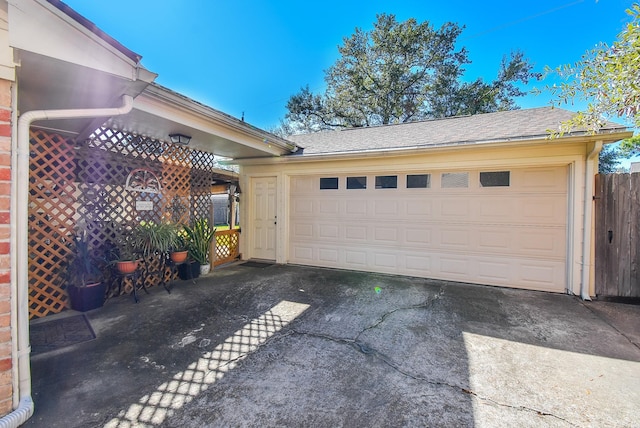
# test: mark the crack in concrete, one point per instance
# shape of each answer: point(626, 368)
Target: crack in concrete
point(387, 314)
point(468, 391)
point(365, 349)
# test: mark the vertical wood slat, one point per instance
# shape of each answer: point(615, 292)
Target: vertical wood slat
point(617, 235)
point(634, 235)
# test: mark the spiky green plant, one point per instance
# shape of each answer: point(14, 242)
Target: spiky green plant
point(83, 267)
point(199, 237)
point(155, 238)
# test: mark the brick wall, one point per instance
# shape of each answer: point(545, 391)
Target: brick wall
point(5, 248)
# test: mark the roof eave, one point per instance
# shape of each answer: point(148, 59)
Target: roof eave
point(607, 137)
point(159, 91)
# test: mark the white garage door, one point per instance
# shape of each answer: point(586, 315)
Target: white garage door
point(498, 227)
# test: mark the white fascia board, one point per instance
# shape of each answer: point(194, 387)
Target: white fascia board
point(39, 27)
point(405, 151)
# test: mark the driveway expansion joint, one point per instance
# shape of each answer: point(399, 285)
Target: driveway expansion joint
point(610, 324)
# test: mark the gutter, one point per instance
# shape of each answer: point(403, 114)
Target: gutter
point(421, 149)
point(20, 236)
point(588, 214)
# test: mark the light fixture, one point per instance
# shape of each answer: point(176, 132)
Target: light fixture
point(180, 139)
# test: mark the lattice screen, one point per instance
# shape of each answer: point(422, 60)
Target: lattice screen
point(83, 185)
point(52, 206)
point(227, 246)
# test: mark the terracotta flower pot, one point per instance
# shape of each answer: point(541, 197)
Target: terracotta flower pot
point(179, 256)
point(125, 267)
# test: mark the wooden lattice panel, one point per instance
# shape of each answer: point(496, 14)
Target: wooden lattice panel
point(82, 184)
point(176, 181)
point(227, 246)
point(51, 221)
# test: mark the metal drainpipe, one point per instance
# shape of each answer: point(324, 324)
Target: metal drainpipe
point(20, 235)
point(586, 227)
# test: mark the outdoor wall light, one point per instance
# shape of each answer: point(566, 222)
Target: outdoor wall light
point(180, 139)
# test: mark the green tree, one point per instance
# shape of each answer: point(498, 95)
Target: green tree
point(401, 72)
point(609, 160)
point(608, 79)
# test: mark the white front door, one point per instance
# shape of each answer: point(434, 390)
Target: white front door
point(265, 219)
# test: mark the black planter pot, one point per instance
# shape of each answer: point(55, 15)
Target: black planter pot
point(193, 266)
point(87, 298)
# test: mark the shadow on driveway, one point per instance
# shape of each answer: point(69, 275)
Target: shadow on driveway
point(298, 346)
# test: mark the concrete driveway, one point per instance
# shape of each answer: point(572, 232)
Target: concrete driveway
point(304, 347)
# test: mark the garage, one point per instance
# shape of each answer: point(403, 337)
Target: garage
point(490, 199)
point(504, 227)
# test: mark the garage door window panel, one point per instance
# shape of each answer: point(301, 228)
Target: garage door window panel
point(495, 179)
point(356, 183)
point(386, 181)
point(329, 183)
point(418, 181)
point(454, 180)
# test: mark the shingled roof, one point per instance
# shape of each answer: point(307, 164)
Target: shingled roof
point(504, 126)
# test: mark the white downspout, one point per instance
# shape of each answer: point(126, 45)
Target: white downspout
point(20, 235)
point(586, 226)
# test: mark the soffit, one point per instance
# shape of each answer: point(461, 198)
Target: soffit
point(158, 112)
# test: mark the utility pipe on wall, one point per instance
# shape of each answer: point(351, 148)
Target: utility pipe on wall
point(588, 215)
point(20, 236)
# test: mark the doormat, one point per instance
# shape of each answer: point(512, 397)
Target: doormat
point(256, 264)
point(49, 335)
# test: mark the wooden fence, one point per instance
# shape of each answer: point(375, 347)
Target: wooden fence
point(617, 235)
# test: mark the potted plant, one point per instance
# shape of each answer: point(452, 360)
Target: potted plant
point(85, 281)
point(125, 255)
point(179, 250)
point(189, 268)
point(155, 238)
point(199, 237)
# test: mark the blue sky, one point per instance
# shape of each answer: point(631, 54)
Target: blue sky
point(250, 56)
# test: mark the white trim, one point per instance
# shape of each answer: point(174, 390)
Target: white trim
point(433, 148)
point(20, 236)
point(571, 182)
point(587, 225)
point(39, 27)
